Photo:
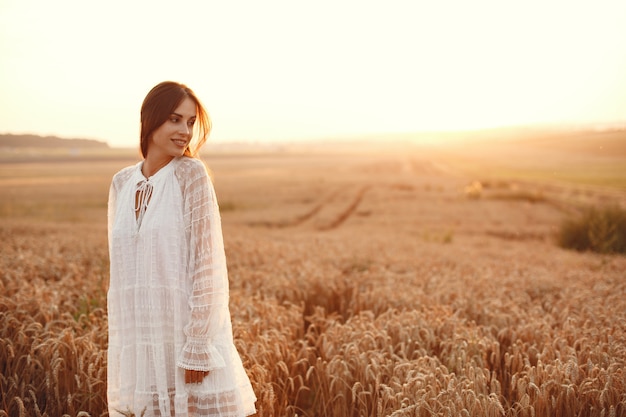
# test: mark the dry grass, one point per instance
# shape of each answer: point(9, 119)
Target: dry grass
point(601, 230)
point(340, 306)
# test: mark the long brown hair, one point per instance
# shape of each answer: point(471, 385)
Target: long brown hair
point(158, 106)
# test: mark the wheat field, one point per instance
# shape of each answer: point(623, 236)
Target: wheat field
point(364, 282)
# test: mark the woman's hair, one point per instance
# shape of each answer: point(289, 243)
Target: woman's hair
point(158, 106)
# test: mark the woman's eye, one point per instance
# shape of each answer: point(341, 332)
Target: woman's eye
point(191, 122)
point(174, 119)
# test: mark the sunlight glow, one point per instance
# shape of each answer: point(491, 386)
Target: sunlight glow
point(282, 70)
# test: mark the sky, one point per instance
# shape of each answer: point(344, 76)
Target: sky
point(291, 70)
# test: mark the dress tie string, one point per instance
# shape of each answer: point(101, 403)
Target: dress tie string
point(142, 198)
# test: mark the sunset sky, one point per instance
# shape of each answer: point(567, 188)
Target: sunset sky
point(281, 70)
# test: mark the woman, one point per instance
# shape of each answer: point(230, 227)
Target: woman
point(171, 350)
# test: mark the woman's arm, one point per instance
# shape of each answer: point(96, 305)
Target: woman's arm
point(208, 300)
point(111, 205)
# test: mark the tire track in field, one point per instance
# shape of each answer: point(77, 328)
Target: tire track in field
point(332, 224)
point(349, 211)
point(303, 217)
point(309, 214)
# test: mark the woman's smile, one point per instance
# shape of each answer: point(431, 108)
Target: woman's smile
point(180, 142)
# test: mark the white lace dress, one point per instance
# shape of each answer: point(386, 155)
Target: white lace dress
point(168, 298)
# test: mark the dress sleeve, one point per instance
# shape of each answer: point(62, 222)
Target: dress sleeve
point(111, 206)
point(208, 300)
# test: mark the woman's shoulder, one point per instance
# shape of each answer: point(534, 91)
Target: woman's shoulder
point(189, 168)
point(189, 162)
point(124, 174)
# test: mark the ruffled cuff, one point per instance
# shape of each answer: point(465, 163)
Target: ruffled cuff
point(199, 355)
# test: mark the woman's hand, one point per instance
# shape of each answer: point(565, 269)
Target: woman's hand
point(194, 377)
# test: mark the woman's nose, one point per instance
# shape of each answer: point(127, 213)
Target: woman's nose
point(184, 129)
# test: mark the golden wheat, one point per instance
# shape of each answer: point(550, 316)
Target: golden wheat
point(364, 318)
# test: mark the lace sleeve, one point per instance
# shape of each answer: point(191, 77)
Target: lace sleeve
point(117, 183)
point(207, 270)
point(111, 205)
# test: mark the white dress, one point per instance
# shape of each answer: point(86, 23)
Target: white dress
point(168, 298)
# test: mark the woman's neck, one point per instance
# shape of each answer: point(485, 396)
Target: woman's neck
point(151, 166)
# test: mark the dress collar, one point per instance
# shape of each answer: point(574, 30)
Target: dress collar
point(160, 173)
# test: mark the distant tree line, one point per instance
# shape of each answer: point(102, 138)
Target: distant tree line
point(35, 141)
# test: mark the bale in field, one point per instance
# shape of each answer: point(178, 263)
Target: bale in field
point(474, 190)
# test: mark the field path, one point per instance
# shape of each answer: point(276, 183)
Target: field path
point(329, 213)
point(344, 215)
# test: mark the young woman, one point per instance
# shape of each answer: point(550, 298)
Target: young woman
point(171, 350)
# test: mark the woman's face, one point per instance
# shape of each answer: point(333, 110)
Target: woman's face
point(173, 136)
